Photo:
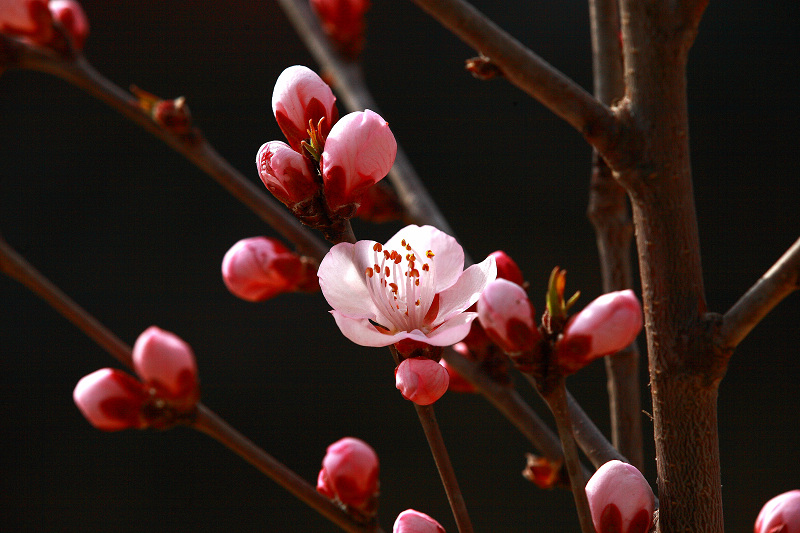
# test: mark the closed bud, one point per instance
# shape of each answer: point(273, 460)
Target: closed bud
point(285, 173)
point(620, 499)
point(301, 96)
point(508, 317)
point(411, 521)
point(111, 400)
point(166, 362)
point(359, 152)
point(607, 325)
point(780, 515)
point(71, 16)
point(421, 380)
point(507, 268)
point(350, 475)
point(541, 471)
point(343, 22)
point(30, 19)
point(260, 268)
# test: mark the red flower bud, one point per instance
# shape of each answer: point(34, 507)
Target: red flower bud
point(71, 16)
point(620, 499)
point(165, 362)
point(110, 400)
point(359, 152)
point(508, 317)
point(411, 521)
point(543, 472)
point(343, 22)
point(260, 268)
point(507, 268)
point(608, 324)
point(27, 18)
point(421, 380)
point(780, 515)
point(350, 474)
point(285, 173)
point(301, 96)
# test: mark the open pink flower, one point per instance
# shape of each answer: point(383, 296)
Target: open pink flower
point(415, 287)
point(780, 515)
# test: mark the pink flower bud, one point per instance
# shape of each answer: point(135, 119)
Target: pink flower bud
point(164, 361)
point(508, 317)
point(343, 21)
point(301, 96)
point(608, 324)
point(27, 18)
point(359, 152)
point(620, 499)
point(350, 474)
point(780, 515)
point(260, 268)
point(411, 521)
point(507, 268)
point(110, 400)
point(71, 16)
point(285, 173)
point(421, 380)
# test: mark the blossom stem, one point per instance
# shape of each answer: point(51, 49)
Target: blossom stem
point(16, 267)
point(430, 426)
point(556, 398)
point(195, 148)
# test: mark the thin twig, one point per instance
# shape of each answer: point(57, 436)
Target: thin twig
point(608, 212)
point(81, 74)
point(431, 428)
point(16, 267)
point(211, 424)
point(775, 285)
point(529, 72)
point(557, 401)
point(347, 79)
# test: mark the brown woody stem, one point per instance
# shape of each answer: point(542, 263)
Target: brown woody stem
point(777, 283)
point(194, 148)
point(608, 211)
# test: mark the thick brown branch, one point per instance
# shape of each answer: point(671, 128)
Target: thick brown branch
point(528, 71)
point(775, 285)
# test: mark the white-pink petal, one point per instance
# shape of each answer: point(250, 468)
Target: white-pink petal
point(467, 289)
point(448, 259)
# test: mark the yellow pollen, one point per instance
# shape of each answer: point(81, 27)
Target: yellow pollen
point(429, 254)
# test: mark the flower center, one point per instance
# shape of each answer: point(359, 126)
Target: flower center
point(401, 285)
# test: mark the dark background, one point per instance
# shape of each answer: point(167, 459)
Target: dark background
point(136, 235)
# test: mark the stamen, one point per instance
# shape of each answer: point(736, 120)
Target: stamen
point(425, 267)
point(369, 272)
point(429, 254)
point(377, 247)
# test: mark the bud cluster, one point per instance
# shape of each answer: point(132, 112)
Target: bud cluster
point(329, 163)
point(112, 400)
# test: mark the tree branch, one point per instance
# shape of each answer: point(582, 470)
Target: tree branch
point(561, 95)
point(608, 212)
point(81, 74)
point(777, 283)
